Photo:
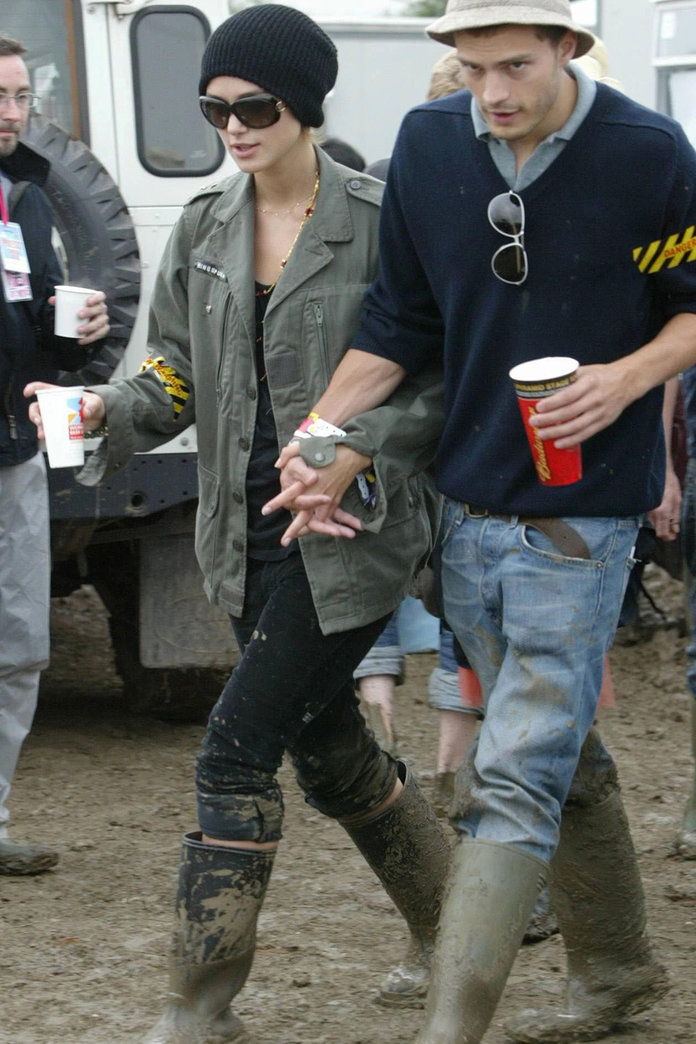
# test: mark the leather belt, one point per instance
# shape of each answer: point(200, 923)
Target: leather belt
point(563, 537)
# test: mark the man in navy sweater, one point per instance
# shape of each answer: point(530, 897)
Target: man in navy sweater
point(602, 267)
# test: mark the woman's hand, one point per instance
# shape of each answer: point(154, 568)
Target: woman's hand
point(93, 409)
point(315, 494)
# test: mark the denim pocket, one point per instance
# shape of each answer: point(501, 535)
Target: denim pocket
point(600, 535)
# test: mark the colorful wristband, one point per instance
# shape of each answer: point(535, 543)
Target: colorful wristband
point(314, 425)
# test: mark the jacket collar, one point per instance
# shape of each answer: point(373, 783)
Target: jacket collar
point(26, 165)
point(332, 223)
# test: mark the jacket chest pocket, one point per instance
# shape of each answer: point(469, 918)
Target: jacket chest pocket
point(218, 335)
point(329, 322)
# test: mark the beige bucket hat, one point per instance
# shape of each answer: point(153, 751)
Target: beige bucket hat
point(475, 14)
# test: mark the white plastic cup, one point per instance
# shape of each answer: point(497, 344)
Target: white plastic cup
point(69, 301)
point(62, 423)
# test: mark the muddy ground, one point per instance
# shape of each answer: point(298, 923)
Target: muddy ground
point(83, 950)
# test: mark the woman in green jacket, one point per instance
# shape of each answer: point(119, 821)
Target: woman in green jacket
point(255, 303)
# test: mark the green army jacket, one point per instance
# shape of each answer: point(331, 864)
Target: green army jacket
point(201, 368)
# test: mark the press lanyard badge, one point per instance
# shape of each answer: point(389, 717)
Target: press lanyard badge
point(14, 263)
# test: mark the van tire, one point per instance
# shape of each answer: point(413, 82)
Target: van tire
point(97, 234)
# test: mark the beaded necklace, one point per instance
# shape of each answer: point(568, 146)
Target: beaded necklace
point(309, 210)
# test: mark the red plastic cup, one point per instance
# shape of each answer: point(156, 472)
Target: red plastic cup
point(536, 380)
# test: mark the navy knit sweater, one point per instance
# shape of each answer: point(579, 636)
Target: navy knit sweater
point(609, 238)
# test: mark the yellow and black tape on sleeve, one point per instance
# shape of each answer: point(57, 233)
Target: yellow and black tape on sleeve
point(173, 384)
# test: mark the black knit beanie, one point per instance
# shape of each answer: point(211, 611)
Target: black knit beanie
point(279, 48)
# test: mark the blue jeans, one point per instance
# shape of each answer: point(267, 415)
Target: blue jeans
point(535, 626)
point(386, 656)
point(688, 538)
point(443, 684)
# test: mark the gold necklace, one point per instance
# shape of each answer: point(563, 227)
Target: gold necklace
point(284, 213)
point(305, 218)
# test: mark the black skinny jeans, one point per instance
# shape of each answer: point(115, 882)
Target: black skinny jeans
point(292, 690)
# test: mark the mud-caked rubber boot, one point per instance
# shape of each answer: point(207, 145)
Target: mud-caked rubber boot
point(685, 841)
point(409, 851)
point(492, 891)
point(221, 891)
point(543, 923)
point(598, 898)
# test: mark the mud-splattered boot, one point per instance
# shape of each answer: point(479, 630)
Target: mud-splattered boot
point(543, 923)
point(220, 894)
point(597, 895)
point(409, 851)
point(685, 841)
point(491, 894)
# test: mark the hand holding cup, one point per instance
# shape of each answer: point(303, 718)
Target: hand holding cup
point(93, 409)
point(80, 313)
point(534, 381)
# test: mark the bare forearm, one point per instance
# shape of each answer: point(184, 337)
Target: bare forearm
point(668, 354)
point(360, 383)
point(668, 408)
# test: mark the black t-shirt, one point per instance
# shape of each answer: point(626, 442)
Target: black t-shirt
point(262, 481)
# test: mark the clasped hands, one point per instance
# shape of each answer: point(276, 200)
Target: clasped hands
point(314, 495)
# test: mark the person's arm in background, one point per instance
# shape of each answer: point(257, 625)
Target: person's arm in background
point(665, 517)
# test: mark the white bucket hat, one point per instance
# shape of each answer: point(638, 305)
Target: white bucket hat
point(475, 14)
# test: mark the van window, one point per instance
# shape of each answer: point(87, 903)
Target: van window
point(173, 138)
point(681, 91)
point(49, 31)
point(677, 31)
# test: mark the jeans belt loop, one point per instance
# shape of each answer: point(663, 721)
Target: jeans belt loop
point(562, 535)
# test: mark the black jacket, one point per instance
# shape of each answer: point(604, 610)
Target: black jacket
point(29, 351)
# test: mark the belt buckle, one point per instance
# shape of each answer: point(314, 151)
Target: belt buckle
point(474, 511)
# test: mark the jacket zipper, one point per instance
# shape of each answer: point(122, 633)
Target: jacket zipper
point(225, 322)
point(321, 332)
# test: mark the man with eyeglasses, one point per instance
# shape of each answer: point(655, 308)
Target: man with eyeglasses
point(28, 351)
point(533, 214)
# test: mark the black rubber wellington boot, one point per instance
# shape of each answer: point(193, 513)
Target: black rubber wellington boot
point(490, 897)
point(221, 891)
point(408, 849)
point(597, 896)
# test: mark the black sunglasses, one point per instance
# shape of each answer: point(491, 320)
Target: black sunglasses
point(257, 110)
point(506, 215)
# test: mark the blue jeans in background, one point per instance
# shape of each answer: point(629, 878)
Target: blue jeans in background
point(535, 626)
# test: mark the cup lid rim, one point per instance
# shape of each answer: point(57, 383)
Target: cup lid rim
point(550, 368)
